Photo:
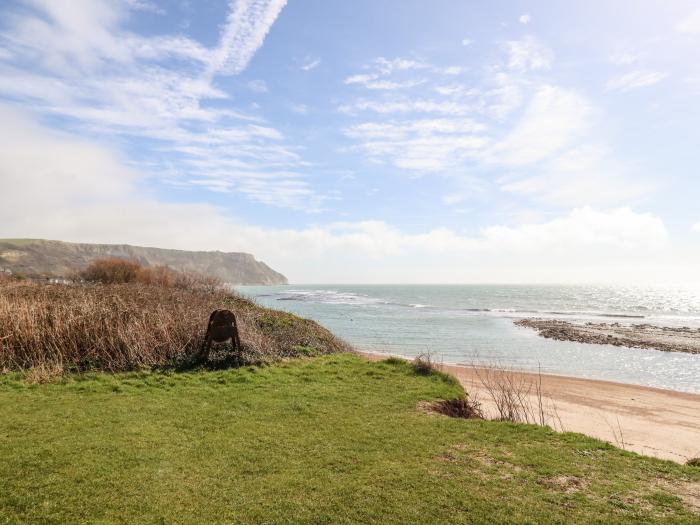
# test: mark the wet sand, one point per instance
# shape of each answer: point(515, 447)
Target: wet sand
point(650, 421)
point(668, 339)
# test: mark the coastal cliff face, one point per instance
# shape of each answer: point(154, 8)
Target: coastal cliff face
point(36, 257)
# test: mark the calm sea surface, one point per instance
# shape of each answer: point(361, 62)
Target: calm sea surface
point(474, 324)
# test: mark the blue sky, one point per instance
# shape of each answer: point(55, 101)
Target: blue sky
point(364, 141)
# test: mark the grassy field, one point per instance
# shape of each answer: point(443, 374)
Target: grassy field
point(333, 439)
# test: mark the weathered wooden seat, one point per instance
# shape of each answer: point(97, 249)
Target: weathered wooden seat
point(222, 327)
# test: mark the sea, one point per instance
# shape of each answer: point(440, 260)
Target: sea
point(474, 325)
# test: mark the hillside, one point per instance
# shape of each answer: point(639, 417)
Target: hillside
point(131, 326)
point(333, 439)
point(37, 257)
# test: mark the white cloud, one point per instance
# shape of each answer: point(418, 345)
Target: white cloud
point(524, 19)
point(456, 90)
point(585, 227)
point(246, 27)
point(453, 198)
point(623, 58)
point(258, 86)
point(78, 61)
point(390, 85)
point(310, 64)
point(145, 5)
point(528, 54)
point(423, 145)
point(558, 158)
point(467, 41)
point(582, 175)
point(551, 148)
point(554, 118)
point(376, 82)
point(360, 79)
point(453, 70)
point(690, 24)
point(388, 66)
point(85, 193)
point(407, 106)
point(503, 96)
point(382, 70)
point(635, 80)
point(696, 227)
point(68, 164)
point(402, 129)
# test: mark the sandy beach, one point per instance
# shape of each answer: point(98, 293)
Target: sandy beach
point(667, 339)
point(650, 421)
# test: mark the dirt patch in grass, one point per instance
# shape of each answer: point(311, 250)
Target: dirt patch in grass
point(567, 484)
point(688, 492)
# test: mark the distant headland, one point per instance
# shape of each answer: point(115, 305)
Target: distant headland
point(56, 259)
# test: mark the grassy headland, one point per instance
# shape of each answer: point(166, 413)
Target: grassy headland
point(328, 439)
point(333, 439)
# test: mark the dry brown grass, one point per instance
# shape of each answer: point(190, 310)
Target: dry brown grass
point(117, 327)
point(423, 365)
point(115, 270)
point(111, 270)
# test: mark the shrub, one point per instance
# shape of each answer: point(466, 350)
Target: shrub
point(461, 407)
point(169, 278)
point(305, 350)
point(111, 270)
point(693, 462)
point(423, 365)
point(521, 398)
point(118, 327)
point(114, 270)
point(394, 361)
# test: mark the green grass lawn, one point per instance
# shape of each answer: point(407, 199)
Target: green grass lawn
point(333, 439)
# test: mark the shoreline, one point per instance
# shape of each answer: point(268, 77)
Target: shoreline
point(647, 420)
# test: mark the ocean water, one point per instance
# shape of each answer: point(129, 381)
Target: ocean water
point(473, 324)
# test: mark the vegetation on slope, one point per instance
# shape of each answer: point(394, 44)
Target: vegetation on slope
point(158, 319)
point(334, 439)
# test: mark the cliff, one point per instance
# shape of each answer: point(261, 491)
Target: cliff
point(37, 257)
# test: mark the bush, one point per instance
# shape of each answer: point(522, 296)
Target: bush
point(111, 270)
point(461, 407)
point(169, 278)
point(693, 462)
point(394, 361)
point(118, 327)
point(423, 365)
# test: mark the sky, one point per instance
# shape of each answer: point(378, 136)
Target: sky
point(401, 141)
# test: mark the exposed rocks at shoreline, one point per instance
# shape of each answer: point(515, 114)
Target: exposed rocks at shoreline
point(668, 339)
